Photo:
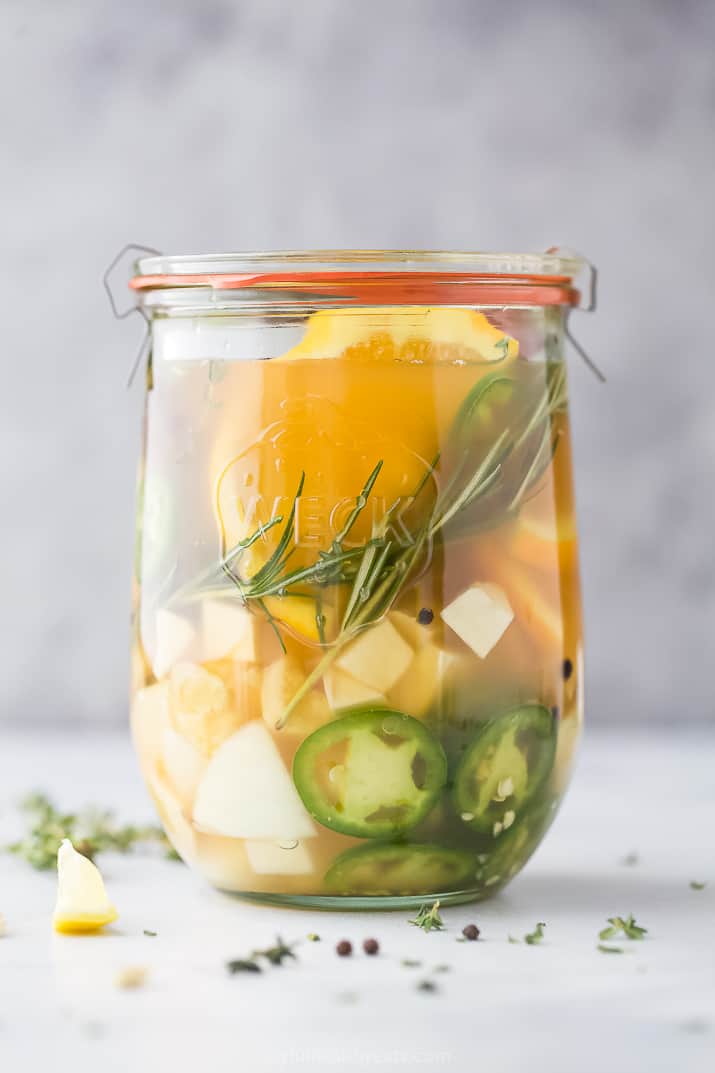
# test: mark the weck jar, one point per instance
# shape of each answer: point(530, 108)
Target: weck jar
point(357, 663)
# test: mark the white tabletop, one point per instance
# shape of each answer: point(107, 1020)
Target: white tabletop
point(561, 1007)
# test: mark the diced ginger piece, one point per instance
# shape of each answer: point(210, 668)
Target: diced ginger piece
point(184, 765)
point(150, 717)
point(422, 682)
point(278, 858)
point(344, 691)
point(378, 657)
point(281, 681)
point(413, 631)
point(247, 683)
point(480, 616)
point(223, 862)
point(195, 689)
point(82, 901)
point(175, 639)
point(201, 708)
point(247, 792)
point(243, 685)
point(228, 628)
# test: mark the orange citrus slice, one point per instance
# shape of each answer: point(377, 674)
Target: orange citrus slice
point(404, 333)
point(375, 409)
point(546, 605)
point(542, 537)
point(544, 532)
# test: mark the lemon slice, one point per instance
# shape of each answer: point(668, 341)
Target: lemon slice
point(82, 901)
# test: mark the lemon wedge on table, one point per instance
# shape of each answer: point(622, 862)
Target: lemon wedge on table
point(82, 901)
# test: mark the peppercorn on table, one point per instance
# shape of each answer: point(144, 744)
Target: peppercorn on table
point(152, 991)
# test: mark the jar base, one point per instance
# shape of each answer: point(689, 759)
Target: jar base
point(350, 903)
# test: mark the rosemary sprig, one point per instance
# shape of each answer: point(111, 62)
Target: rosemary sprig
point(499, 475)
point(197, 586)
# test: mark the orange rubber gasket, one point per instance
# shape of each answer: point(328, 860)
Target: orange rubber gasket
point(389, 288)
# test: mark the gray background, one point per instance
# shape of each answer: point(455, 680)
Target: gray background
point(211, 125)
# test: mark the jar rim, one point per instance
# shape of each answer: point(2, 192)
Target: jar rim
point(372, 277)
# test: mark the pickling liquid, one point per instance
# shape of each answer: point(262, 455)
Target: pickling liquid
point(341, 693)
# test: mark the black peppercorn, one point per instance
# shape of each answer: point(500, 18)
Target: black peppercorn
point(371, 946)
point(425, 616)
point(567, 669)
point(344, 948)
point(471, 932)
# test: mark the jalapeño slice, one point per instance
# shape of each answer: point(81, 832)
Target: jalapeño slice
point(399, 869)
point(372, 773)
point(483, 410)
point(513, 849)
point(504, 767)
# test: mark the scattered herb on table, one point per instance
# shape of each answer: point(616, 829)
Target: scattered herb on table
point(619, 926)
point(609, 948)
point(410, 963)
point(426, 985)
point(151, 934)
point(695, 885)
point(442, 968)
point(535, 936)
point(312, 937)
point(277, 954)
point(243, 965)
point(274, 955)
point(90, 831)
point(428, 918)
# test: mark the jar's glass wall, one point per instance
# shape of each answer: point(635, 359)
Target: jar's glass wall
point(357, 666)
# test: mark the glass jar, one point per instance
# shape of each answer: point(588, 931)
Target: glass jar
point(357, 661)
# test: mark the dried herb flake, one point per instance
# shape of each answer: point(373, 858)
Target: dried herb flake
point(428, 918)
